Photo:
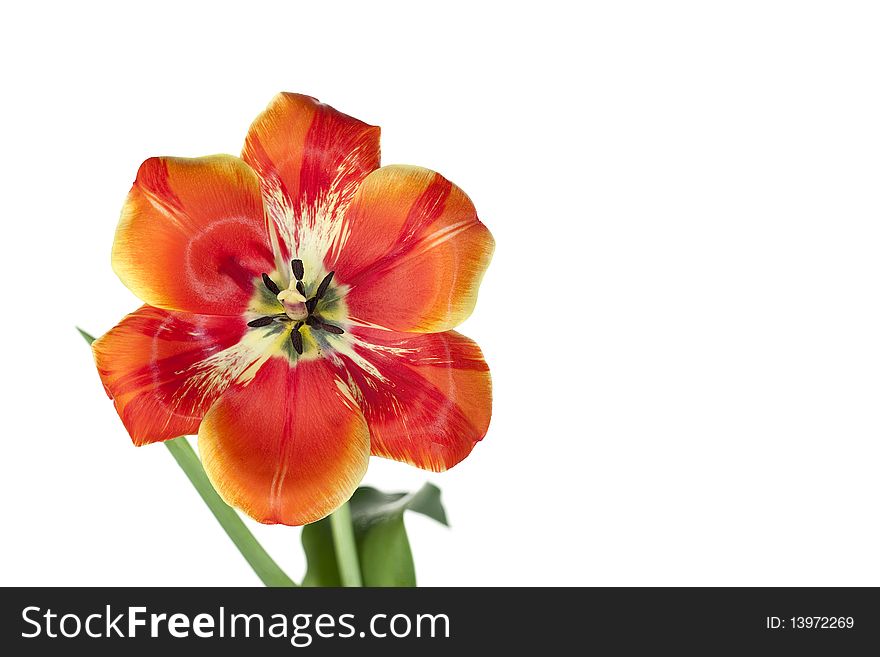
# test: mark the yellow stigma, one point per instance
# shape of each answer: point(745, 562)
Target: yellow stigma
point(294, 303)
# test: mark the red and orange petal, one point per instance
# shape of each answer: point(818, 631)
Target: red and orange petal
point(150, 366)
point(415, 252)
point(289, 446)
point(310, 157)
point(192, 235)
point(427, 398)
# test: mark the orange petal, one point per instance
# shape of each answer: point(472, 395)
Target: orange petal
point(311, 159)
point(427, 398)
point(162, 371)
point(288, 447)
point(415, 251)
point(192, 235)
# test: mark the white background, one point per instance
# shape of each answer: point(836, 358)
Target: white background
point(681, 316)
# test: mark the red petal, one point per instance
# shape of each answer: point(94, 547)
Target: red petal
point(157, 367)
point(415, 252)
point(427, 398)
point(311, 159)
point(192, 235)
point(288, 447)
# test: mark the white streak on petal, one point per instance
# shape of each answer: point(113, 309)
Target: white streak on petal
point(236, 364)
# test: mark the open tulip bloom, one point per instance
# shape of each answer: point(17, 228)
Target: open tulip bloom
point(299, 303)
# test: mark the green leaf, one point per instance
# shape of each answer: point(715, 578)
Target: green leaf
point(383, 547)
point(385, 555)
point(369, 505)
point(317, 541)
point(88, 337)
point(264, 566)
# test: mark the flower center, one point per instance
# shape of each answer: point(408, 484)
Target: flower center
point(299, 309)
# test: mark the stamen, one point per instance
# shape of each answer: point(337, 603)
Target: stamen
point(298, 269)
point(270, 284)
point(301, 288)
point(260, 321)
point(315, 322)
point(322, 288)
point(311, 303)
point(296, 338)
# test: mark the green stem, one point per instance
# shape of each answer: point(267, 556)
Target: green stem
point(346, 548)
point(264, 566)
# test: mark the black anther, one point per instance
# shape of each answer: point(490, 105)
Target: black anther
point(270, 284)
point(297, 339)
point(260, 321)
point(298, 269)
point(322, 288)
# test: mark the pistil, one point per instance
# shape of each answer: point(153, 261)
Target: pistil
point(294, 304)
point(297, 308)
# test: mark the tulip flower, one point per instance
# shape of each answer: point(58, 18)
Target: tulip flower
point(299, 307)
